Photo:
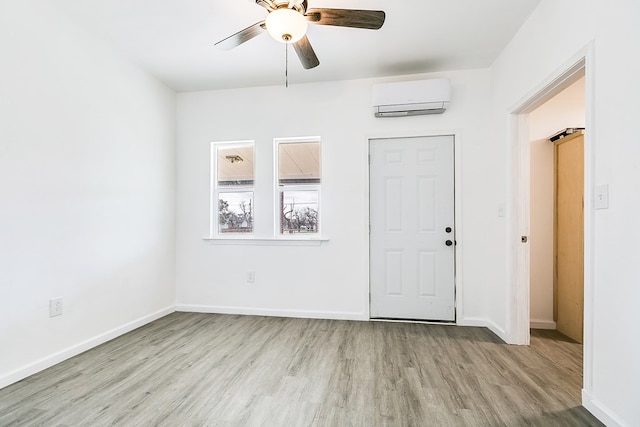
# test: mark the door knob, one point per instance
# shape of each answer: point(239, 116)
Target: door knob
point(448, 243)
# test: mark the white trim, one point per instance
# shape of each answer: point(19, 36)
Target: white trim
point(542, 324)
point(294, 139)
point(518, 292)
point(251, 311)
point(457, 190)
point(600, 411)
point(564, 77)
point(561, 78)
point(589, 218)
point(484, 323)
point(366, 221)
point(74, 350)
point(519, 253)
point(266, 242)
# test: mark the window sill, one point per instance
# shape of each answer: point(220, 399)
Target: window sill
point(316, 241)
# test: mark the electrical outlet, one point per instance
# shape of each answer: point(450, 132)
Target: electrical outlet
point(55, 307)
point(251, 276)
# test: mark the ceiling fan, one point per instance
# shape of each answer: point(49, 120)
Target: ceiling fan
point(287, 22)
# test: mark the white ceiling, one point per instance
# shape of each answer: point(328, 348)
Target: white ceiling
point(174, 39)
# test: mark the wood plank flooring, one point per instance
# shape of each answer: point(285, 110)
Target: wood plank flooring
point(190, 369)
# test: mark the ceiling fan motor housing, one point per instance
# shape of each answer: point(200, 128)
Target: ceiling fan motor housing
point(271, 5)
point(286, 25)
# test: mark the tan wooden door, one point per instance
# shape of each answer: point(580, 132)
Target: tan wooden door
point(569, 236)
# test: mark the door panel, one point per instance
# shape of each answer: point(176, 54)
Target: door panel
point(393, 204)
point(427, 208)
point(412, 204)
point(428, 273)
point(393, 269)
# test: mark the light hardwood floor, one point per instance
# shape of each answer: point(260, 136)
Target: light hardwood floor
point(190, 369)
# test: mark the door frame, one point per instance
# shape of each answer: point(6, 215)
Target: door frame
point(457, 190)
point(520, 180)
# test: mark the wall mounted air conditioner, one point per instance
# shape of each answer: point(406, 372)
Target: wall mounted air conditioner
point(411, 98)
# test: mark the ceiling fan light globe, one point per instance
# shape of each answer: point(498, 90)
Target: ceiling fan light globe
point(286, 25)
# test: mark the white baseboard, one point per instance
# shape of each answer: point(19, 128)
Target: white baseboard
point(54, 359)
point(484, 323)
point(542, 324)
point(599, 411)
point(305, 314)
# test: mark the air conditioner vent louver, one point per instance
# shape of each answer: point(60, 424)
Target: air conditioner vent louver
point(411, 98)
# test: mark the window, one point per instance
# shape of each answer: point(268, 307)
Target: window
point(295, 212)
point(233, 179)
point(298, 186)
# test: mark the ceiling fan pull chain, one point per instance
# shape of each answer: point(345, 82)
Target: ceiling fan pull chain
point(286, 65)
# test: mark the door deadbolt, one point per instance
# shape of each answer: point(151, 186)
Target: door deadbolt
point(448, 229)
point(524, 239)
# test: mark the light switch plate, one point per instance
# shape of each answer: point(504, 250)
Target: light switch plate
point(601, 197)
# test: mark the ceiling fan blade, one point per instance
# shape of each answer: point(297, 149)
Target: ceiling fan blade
point(267, 4)
point(241, 36)
point(306, 54)
point(367, 19)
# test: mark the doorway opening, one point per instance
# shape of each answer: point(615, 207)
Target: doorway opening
point(580, 67)
point(556, 212)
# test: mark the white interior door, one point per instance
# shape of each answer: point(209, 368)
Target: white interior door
point(412, 241)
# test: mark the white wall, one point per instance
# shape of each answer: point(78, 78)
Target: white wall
point(330, 280)
point(87, 183)
point(555, 32)
point(565, 110)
